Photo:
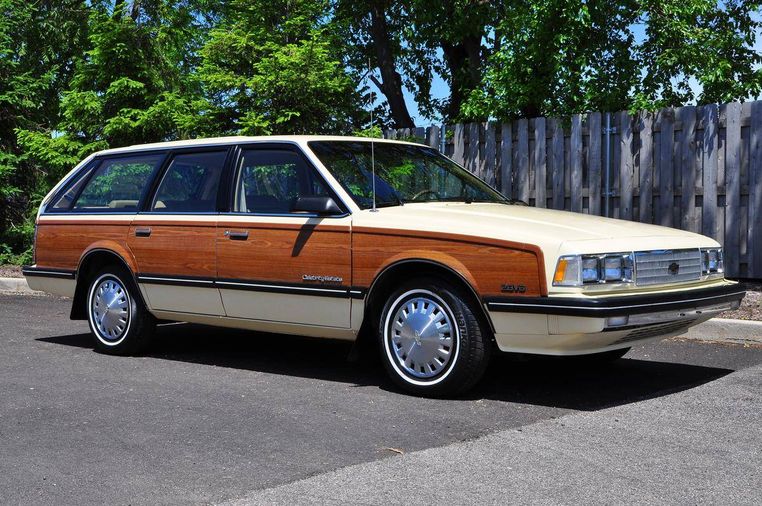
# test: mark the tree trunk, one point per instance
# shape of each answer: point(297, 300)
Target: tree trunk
point(464, 60)
point(391, 82)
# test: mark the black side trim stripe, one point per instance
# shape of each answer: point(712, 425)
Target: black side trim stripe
point(47, 272)
point(254, 285)
point(616, 306)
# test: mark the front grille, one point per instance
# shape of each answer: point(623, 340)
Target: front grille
point(667, 266)
point(654, 330)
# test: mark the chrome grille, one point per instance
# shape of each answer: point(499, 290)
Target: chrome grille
point(667, 266)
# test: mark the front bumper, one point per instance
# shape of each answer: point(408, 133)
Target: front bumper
point(580, 325)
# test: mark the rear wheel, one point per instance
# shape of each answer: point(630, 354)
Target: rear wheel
point(432, 342)
point(119, 323)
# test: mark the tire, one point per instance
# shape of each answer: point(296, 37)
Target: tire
point(440, 361)
point(126, 327)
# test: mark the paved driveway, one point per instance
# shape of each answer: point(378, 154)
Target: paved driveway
point(212, 415)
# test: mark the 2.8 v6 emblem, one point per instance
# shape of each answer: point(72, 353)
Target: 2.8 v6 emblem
point(513, 288)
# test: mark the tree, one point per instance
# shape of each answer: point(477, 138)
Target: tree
point(129, 87)
point(38, 44)
point(557, 57)
point(274, 67)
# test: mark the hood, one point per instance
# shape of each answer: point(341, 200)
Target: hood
point(555, 232)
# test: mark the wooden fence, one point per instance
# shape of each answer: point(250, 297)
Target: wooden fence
point(694, 168)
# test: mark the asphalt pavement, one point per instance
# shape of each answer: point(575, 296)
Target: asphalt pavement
point(215, 415)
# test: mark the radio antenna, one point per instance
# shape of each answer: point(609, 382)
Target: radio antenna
point(372, 147)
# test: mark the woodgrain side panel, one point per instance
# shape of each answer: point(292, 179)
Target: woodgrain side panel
point(486, 264)
point(284, 253)
point(61, 244)
point(183, 248)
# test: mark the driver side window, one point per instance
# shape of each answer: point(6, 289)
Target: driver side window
point(270, 181)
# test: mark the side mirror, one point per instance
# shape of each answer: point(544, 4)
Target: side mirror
point(317, 205)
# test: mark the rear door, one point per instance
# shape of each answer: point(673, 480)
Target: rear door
point(174, 238)
point(275, 264)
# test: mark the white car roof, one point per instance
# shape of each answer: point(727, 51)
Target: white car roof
point(219, 141)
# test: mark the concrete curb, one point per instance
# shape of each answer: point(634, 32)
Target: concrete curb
point(18, 285)
point(726, 331)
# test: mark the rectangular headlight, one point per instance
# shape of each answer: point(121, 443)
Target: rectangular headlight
point(578, 270)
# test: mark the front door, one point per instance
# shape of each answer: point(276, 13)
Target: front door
point(174, 240)
point(275, 264)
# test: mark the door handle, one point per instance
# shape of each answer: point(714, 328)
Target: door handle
point(143, 232)
point(237, 236)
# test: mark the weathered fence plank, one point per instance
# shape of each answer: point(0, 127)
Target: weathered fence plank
point(733, 187)
point(594, 163)
point(575, 163)
point(472, 156)
point(506, 160)
point(488, 161)
point(711, 119)
point(754, 236)
point(666, 169)
point(626, 166)
point(459, 144)
point(540, 166)
point(522, 162)
point(646, 168)
point(689, 216)
point(557, 162)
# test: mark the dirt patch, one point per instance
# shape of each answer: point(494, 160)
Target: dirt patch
point(10, 271)
point(751, 307)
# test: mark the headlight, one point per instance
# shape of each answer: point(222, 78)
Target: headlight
point(578, 270)
point(711, 260)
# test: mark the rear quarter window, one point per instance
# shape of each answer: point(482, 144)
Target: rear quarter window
point(117, 184)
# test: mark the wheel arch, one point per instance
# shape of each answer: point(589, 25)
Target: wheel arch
point(93, 259)
point(384, 283)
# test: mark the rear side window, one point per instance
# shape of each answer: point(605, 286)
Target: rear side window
point(117, 184)
point(270, 181)
point(190, 183)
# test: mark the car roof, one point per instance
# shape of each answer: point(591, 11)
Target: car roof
point(222, 141)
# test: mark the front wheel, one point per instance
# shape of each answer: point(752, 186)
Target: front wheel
point(432, 341)
point(119, 323)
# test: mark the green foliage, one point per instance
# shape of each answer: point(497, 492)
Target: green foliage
point(557, 57)
point(274, 67)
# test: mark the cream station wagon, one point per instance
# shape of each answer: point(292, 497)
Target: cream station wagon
point(340, 237)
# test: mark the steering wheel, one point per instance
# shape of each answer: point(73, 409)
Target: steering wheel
point(424, 192)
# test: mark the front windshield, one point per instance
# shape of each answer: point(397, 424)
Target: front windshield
point(404, 173)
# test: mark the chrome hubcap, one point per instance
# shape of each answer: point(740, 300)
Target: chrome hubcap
point(421, 337)
point(110, 309)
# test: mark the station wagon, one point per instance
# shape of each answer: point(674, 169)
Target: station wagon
point(352, 238)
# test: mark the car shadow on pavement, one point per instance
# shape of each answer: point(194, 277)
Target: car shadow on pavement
point(552, 382)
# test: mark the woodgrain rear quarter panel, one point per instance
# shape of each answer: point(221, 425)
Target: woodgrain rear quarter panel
point(485, 263)
point(62, 242)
